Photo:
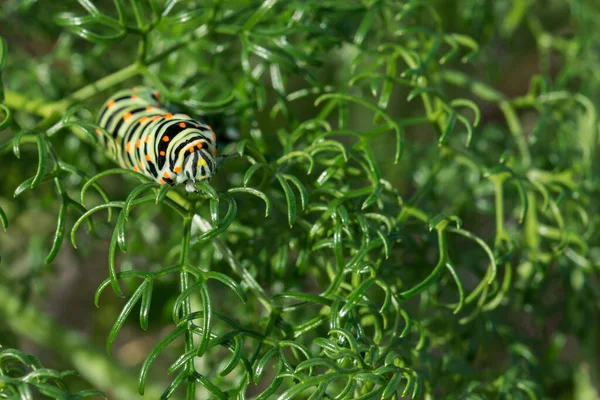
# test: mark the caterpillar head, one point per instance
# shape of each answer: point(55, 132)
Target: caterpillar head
point(200, 163)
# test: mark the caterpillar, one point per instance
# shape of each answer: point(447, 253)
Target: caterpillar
point(147, 138)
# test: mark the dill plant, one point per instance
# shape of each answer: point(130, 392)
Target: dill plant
point(392, 227)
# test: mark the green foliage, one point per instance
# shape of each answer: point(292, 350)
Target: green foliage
point(22, 376)
point(390, 226)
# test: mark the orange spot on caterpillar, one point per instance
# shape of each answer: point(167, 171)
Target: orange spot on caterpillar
point(135, 168)
point(134, 97)
point(162, 153)
point(166, 139)
point(141, 164)
point(177, 169)
point(148, 158)
point(156, 94)
point(110, 104)
point(214, 152)
point(182, 125)
point(199, 145)
point(191, 149)
point(156, 118)
point(166, 174)
point(128, 147)
point(127, 116)
point(208, 126)
point(214, 137)
point(148, 108)
point(144, 119)
point(196, 126)
point(138, 143)
point(168, 116)
point(147, 140)
point(162, 181)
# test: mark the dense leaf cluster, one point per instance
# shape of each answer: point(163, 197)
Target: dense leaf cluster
point(23, 376)
point(391, 226)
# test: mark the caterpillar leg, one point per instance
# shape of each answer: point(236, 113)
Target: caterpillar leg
point(190, 187)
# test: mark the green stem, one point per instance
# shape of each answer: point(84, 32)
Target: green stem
point(479, 89)
point(487, 93)
point(499, 190)
point(186, 308)
point(17, 101)
point(515, 128)
point(100, 85)
point(235, 265)
point(91, 363)
point(443, 249)
point(531, 226)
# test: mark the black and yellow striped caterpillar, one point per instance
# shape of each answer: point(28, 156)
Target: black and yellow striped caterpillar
point(169, 148)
